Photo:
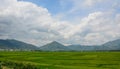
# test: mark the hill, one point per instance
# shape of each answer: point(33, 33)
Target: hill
point(111, 45)
point(83, 47)
point(54, 46)
point(15, 44)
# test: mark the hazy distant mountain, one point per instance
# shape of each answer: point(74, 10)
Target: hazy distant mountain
point(112, 45)
point(88, 48)
point(15, 44)
point(54, 46)
point(82, 47)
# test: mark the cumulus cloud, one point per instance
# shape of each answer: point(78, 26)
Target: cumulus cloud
point(96, 28)
point(17, 19)
point(27, 21)
point(34, 24)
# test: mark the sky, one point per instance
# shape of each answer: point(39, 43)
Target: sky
point(38, 22)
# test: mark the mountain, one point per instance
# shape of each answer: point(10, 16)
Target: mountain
point(83, 47)
point(15, 44)
point(111, 45)
point(54, 46)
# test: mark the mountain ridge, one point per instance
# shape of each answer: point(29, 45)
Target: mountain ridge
point(15, 44)
point(110, 45)
point(54, 46)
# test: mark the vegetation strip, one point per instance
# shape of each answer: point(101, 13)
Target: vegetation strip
point(60, 60)
point(15, 65)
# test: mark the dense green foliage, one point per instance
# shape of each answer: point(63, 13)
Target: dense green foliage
point(64, 60)
point(16, 65)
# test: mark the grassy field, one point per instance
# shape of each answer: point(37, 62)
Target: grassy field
point(65, 60)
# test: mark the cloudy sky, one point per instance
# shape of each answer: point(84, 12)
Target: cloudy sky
point(39, 22)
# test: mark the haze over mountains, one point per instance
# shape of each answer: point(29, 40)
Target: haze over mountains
point(55, 46)
point(15, 44)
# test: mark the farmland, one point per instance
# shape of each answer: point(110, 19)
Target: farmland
point(63, 60)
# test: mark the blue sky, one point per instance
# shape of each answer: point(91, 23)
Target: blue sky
point(54, 6)
point(89, 22)
point(63, 7)
point(59, 6)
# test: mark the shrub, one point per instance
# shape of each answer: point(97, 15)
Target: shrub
point(15, 65)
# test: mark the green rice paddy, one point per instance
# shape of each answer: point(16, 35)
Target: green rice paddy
point(64, 60)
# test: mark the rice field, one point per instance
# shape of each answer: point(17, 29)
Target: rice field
point(60, 60)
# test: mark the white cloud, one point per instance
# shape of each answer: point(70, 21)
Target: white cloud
point(96, 28)
point(92, 2)
point(101, 27)
point(83, 4)
point(34, 24)
point(26, 21)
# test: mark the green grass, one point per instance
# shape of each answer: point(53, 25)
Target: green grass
point(65, 60)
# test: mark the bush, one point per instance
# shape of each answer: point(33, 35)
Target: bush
point(15, 65)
